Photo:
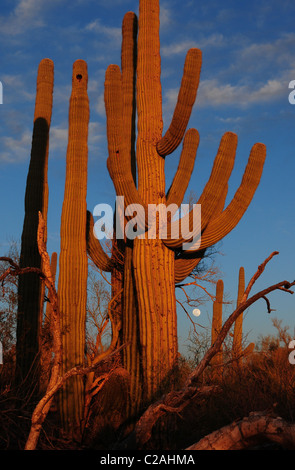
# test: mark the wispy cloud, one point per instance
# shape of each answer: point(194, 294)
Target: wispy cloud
point(111, 32)
point(215, 40)
point(15, 87)
point(214, 93)
point(16, 149)
point(26, 15)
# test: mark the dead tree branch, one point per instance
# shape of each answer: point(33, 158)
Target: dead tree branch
point(56, 381)
point(174, 401)
point(249, 431)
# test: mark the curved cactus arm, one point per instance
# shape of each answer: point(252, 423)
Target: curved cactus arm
point(119, 161)
point(220, 226)
point(184, 265)
point(94, 249)
point(186, 262)
point(186, 99)
point(214, 189)
point(185, 168)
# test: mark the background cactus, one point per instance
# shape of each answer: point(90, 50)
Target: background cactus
point(31, 289)
point(237, 350)
point(237, 347)
point(217, 360)
point(73, 265)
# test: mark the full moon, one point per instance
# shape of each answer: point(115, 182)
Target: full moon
point(196, 312)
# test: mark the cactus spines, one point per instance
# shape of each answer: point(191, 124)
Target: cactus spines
point(31, 289)
point(72, 282)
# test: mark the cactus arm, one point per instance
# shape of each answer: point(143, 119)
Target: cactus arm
point(185, 168)
point(214, 189)
point(220, 226)
point(186, 262)
point(94, 249)
point(186, 99)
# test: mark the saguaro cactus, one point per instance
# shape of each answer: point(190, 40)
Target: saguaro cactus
point(155, 265)
point(217, 360)
point(237, 348)
point(72, 281)
point(31, 289)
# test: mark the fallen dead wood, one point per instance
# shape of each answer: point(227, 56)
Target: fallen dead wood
point(254, 430)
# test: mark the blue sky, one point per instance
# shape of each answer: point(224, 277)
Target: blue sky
point(248, 61)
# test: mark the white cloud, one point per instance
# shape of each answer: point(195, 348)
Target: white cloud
point(15, 87)
point(214, 93)
point(58, 139)
point(165, 16)
point(215, 40)
point(26, 15)
point(111, 32)
point(16, 150)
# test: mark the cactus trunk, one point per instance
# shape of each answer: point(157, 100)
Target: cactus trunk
point(72, 282)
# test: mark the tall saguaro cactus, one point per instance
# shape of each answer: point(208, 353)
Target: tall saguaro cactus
point(72, 281)
point(149, 324)
point(31, 289)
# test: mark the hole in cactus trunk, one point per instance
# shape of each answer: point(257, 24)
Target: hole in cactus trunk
point(79, 77)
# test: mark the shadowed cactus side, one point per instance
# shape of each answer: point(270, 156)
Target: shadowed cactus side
point(30, 288)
